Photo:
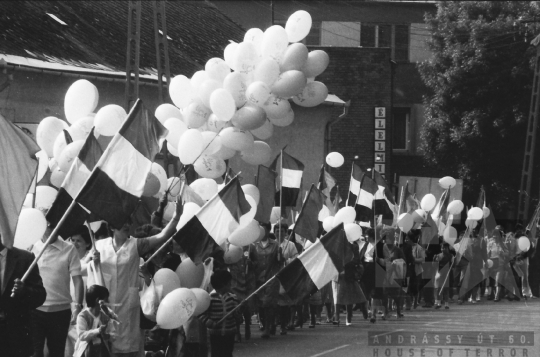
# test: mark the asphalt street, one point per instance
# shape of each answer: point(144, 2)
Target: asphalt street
point(475, 323)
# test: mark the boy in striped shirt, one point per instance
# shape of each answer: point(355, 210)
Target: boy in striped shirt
point(222, 301)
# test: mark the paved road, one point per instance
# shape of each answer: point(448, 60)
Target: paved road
point(487, 317)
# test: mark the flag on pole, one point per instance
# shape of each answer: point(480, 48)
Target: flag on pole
point(75, 179)
point(533, 223)
point(115, 186)
point(211, 226)
point(337, 200)
point(354, 186)
point(307, 224)
point(365, 200)
point(430, 231)
point(266, 183)
point(384, 200)
point(189, 195)
point(488, 225)
point(317, 265)
point(326, 184)
point(290, 172)
point(440, 210)
point(18, 166)
point(481, 198)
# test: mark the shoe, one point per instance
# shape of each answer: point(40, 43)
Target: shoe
point(238, 338)
point(447, 307)
point(311, 326)
point(328, 321)
point(400, 315)
point(478, 299)
point(348, 323)
point(497, 299)
point(283, 332)
point(408, 308)
point(437, 307)
point(373, 320)
point(292, 327)
point(336, 323)
point(470, 299)
point(460, 302)
point(533, 297)
point(427, 306)
point(491, 296)
point(415, 305)
point(474, 301)
point(265, 334)
point(516, 298)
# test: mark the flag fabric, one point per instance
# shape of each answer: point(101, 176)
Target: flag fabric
point(317, 265)
point(384, 200)
point(326, 184)
point(365, 200)
point(189, 195)
point(75, 179)
point(266, 183)
point(408, 203)
point(532, 226)
point(440, 210)
point(307, 225)
point(463, 250)
point(354, 186)
point(481, 198)
point(290, 173)
point(337, 200)
point(488, 225)
point(430, 232)
point(18, 167)
point(115, 186)
point(211, 226)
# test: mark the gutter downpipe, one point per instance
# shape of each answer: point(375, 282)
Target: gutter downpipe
point(328, 129)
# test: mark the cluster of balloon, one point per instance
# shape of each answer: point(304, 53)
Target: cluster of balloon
point(222, 110)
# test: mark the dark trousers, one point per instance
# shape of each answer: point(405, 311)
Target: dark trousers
point(222, 346)
point(52, 326)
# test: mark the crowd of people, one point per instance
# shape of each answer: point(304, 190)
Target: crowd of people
point(83, 299)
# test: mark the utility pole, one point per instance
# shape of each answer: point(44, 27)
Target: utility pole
point(530, 143)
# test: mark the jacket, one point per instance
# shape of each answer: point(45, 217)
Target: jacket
point(17, 310)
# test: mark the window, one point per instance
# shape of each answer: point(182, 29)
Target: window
point(367, 38)
point(400, 128)
point(401, 51)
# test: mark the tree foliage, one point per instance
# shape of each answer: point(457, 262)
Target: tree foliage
point(480, 77)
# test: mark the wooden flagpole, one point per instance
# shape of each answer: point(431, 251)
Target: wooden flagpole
point(98, 265)
point(35, 188)
point(280, 199)
point(401, 197)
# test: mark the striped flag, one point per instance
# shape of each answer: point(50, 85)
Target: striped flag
point(75, 179)
point(115, 186)
point(337, 200)
point(18, 166)
point(266, 183)
point(211, 226)
point(290, 173)
point(307, 224)
point(384, 200)
point(440, 210)
point(317, 265)
point(354, 186)
point(326, 184)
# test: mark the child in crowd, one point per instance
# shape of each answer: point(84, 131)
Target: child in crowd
point(93, 326)
point(444, 260)
point(222, 302)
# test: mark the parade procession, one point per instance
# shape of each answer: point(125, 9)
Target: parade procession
point(263, 178)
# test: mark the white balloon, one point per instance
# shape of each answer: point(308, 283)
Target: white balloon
point(190, 209)
point(232, 254)
point(236, 139)
point(181, 91)
point(353, 231)
point(455, 207)
point(316, 63)
point(47, 132)
point(274, 42)
point(235, 83)
point(109, 119)
point(405, 222)
point(260, 153)
point(471, 223)
point(447, 182)
point(190, 146)
point(206, 188)
point(253, 191)
point(212, 142)
point(198, 78)
point(267, 71)
point(77, 132)
point(215, 124)
point(335, 159)
point(289, 83)
point(524, 244)
point(30, 228)
point(176, 128)
point(57, 177)
point(69, 154)
point(275, 215)
point(285, 121)
point(246, 57)
point(487, 212)
point(345, 215)
point(176, 308)
point(217, 69)
point(84, 125)
point(81, 99)
point(313, 94)
point(59, 145)
point(298, 26)
point(475, 214)
point(196, 114)
point(450, 235)
point(166, 280)
point(328, 223)
point(222, 104)
point(323, 213)
point(43, 164)
point(173, 187)
point(203, 300)
point(276, 107)
point(209, 166)
point(258, 93)
point(166, 111)
point(225, 153)
point(254, 35)
point(428, 202)
point(245, 235)
point(229, 54)
point(265, 131)
point(45, 196)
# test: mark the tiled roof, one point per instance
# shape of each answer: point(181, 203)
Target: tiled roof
point(95, 34)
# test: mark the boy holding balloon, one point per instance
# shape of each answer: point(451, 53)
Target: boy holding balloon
point(222, 301)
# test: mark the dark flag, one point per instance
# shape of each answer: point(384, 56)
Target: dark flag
point(290, 173)
point(266, 183)
point(307, 224)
